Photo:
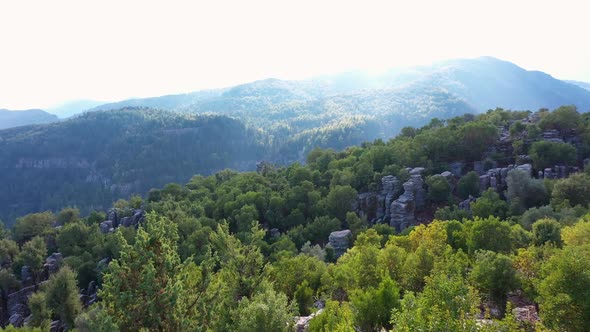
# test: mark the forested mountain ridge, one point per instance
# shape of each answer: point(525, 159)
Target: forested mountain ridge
point(95, 158)
point(494, 212)
point(484, 83)
point(9, 118)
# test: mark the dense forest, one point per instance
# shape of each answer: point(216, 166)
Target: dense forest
point(490, 231)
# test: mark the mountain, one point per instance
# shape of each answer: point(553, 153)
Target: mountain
point(10, 118)
point(483, 83)
point(584, 85)
point(95, 158)
point(74, 107)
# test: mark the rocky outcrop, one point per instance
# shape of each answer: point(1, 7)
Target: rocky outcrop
point(17, 305)
point(375, 206)
point(558, 172)
point(52, 264)
point(114, 220)
point(340, 241)
point(402, 209)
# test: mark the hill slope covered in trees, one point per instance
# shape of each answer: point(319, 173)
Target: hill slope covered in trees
point(253, 251)
point(9, 119)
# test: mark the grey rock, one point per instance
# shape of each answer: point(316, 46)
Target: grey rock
point(417, 171)
point(340, 241)
point(484, 182)
point(126, 222)
point(16, 320)
point(466, 204)
point(478, 167)
point(113, 217)
point(391, 188)
point(275, 233)
point(26, 275)
point(106, 226)
point(53, 263)
point(447, 175)
point(457, 168)
point(493, 182)
point(527, 168)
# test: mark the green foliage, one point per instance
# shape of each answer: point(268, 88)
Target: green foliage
point(336, 317)
point(95, 319)
point(524, 192)
point(33, 255)
point(564, 119)
point(31, 225)
point(494, 275)
point(564, 291)
point(372, 308)
point(339, 201)
point(489, 234)
point(62, 295)
point(439, 189)
point(266, 311)
point(548, 154)
point(41, 314)
point(468, 185)
point(571, 191)
point(547, 231)
point(146, 288)
point(489, 204)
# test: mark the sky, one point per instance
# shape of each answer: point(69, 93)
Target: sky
point(55, 51)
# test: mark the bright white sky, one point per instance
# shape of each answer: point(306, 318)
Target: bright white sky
point(53, 51)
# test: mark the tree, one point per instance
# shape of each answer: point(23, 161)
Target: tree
point(62, 295)
point(40, 313)
point(489, 234)
point(571, 191)
point(31, 225)
point(336, 317)
point(548, 154)
point(547, 231)
point(265, 311)
point(494, 275)
point(489, 204)
point(564, 119)
point(147, 287)
point(439, 189)
point(372, 308)
point(339, 201)
point(564, 292)
point(524, 192)
point(33, 255)
point(468, 185)
point(304, 298)
point(8, 251)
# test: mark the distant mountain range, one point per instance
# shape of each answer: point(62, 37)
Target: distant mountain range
point(584, 85)
point(73, 107)
point(10, 118)
point(483, 83)
point(116, 149)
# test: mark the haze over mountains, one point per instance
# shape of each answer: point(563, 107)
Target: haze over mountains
point(134, 145)
point(12, 118)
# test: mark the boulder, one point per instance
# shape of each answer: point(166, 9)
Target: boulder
point(448, 176)
point(367, 205)
point(113, 217)
point(484, 182)
point(527, 168)
point(417, 171)
point(106, 226)
point(457, 168)
point(402, 213)
point(340, 241)
point(26, 275)
point(53, 263)
point(16, 320)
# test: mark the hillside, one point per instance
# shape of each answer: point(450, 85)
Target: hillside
point(73, 107)
point(9, 118)
point(93, 159)
point(477, 223)
point(484, 83)
point(584, 85)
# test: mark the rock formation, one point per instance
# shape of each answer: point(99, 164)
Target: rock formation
point(340, 241)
